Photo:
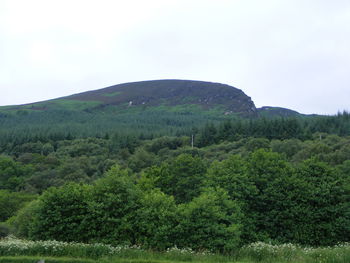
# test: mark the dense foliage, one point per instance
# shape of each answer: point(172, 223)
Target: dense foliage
point(271, 180)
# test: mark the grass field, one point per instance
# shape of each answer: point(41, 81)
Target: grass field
point(15, 250)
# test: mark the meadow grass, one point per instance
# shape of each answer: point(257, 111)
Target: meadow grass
point(17, 247)
point(268, 253)
point(28, 259)
point(17, 250)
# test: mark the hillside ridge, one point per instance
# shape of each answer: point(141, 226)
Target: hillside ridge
point(153, 93)
point(172, 92)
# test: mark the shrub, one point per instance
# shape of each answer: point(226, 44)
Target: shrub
point(209, 222)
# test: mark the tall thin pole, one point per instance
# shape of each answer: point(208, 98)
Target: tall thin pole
point(192, 141)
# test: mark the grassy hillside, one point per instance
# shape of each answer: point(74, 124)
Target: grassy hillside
point(149, 94)
point(272, 112)
point(150, 107)
point(147, 108)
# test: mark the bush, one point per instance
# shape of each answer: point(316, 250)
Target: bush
point(209, 222)
point(155, 220)
point(61, 214)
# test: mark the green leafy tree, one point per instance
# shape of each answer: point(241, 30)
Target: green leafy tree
point(41, 180)
point(231, 175)
point(112, 208)
point(158, 144)
point(210, 221)
point(288, 147)
point(13, 174)
point(141, 159)
point(325, 201)
point(181, 178)
point(61, 214)
point(257, 143)
point(71, 171)
point(268, 172)
point(155, 220)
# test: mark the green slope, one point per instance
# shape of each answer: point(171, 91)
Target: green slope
point(148, 94)
point(155, 107)
point(272, 112)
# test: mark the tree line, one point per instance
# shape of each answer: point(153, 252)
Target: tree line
point(208, 128)
point(188, 203)
point(237, 187)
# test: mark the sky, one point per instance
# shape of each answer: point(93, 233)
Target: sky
point(288, 53)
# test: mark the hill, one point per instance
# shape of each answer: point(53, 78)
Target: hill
point(272, 112)
point(168, 93)
point(146, 108)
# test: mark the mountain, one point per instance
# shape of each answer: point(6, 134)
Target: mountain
point(149, 108)
point(271, 112)
point(148, 94)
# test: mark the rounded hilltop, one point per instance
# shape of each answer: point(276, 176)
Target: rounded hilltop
point(172, 92)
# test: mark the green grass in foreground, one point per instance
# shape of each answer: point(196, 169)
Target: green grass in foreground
point(24, 259)
point(16, 250)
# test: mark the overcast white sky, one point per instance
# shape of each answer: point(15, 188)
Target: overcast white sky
point(288, 53)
